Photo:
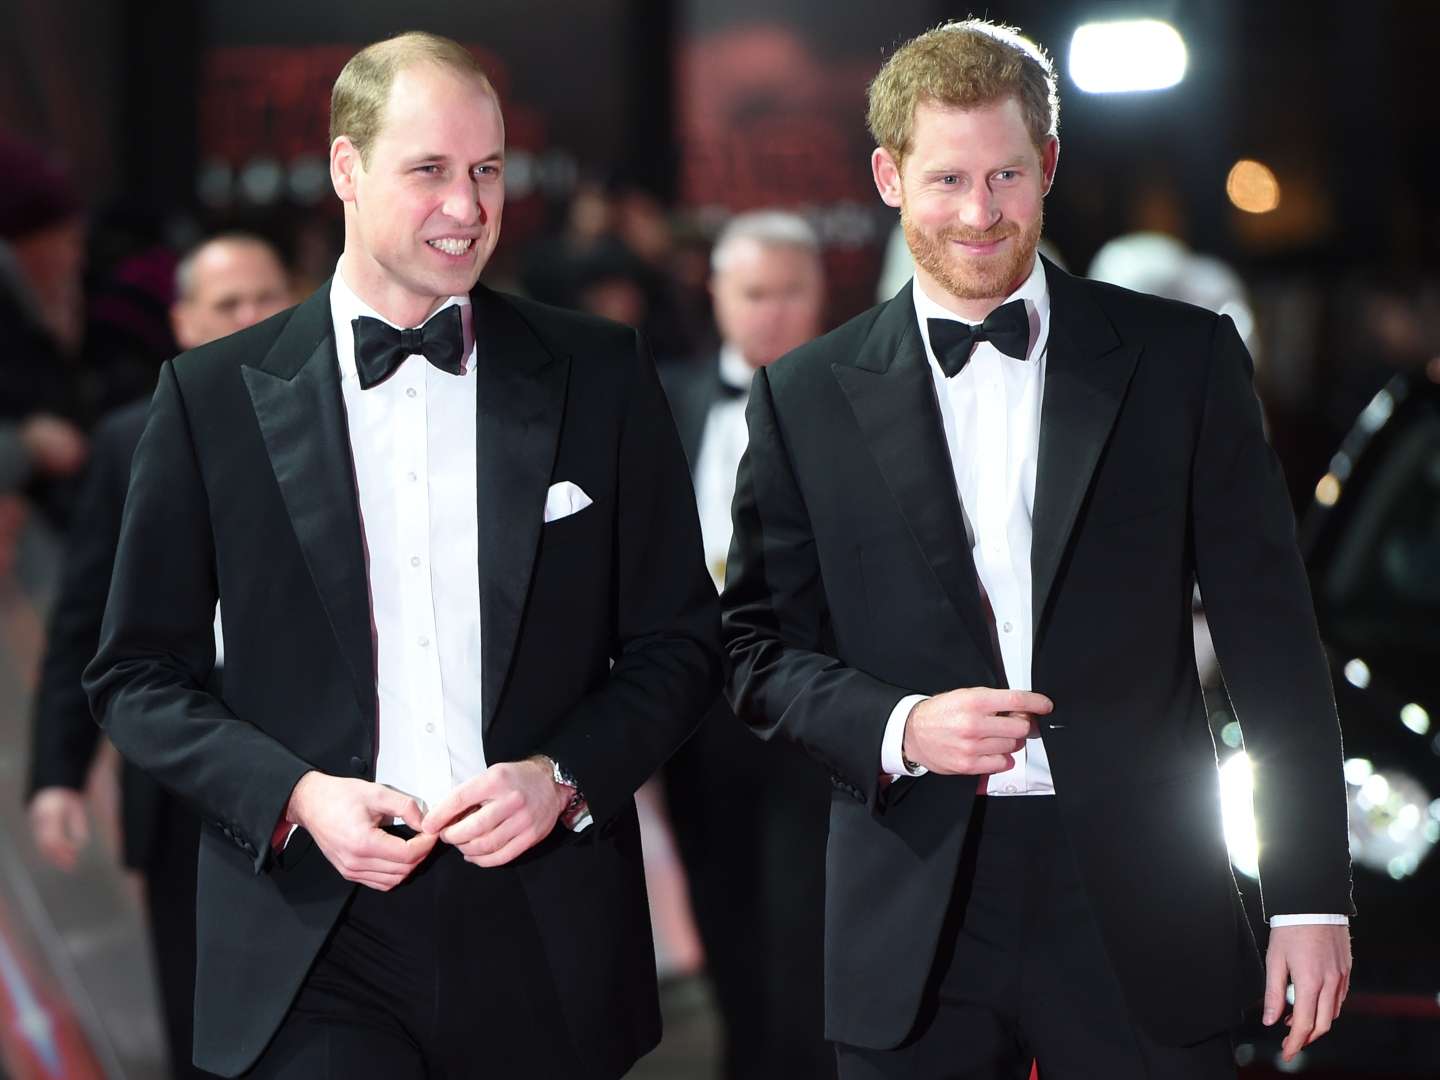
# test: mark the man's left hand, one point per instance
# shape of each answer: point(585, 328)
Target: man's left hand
point(500, 814)
point(1317, 960)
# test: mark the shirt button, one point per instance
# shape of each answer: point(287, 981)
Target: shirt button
point(415, 561)
point(424, 641)
point(412, 477)
point(410, 392)
point(430, 729)
point(1007, 627)
point(1010, 789)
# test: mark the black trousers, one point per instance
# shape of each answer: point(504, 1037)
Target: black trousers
point(750, 821)
point(443, 977)
point(1021, 973)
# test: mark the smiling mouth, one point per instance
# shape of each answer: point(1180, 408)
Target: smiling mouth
point(450, 245)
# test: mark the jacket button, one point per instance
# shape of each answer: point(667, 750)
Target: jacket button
point(360, 765)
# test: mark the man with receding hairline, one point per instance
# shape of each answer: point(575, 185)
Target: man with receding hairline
point(223, 284)
point(968, 529)
point(465, 617)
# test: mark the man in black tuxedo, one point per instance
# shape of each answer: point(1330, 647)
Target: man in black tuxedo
point(750, 819)
point(223, 285)
point(967, 532)
point(465, 616)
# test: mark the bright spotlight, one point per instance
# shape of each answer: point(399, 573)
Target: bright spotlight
point(1127, 56)
point(1237, 813)
point(1252, 187)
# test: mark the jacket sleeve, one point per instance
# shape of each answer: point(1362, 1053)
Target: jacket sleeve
point(63, 736)
point(1262, 620)
point(667, 667)
point(786, 682)
point(157, 646)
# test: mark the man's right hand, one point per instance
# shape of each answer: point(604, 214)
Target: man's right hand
point(344, 815)
point(974, 731)
point(59, 825)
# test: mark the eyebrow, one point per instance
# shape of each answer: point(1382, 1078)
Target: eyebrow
point(422, 159)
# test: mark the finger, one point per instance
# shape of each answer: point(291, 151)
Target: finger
point(1302, 1018)
point(377, 845)
point(458, 802)
point(511, 851)
point(378, 882)
point(1014, 701)
point(1277, 973)
point(494, 840)
point(482, 820)
point(993, 763)
point(389, 804)
point(1327, 1007)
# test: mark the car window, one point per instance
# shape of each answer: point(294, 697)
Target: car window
point(1381, 587)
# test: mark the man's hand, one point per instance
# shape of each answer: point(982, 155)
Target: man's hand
point(502, 813)
point(59, 825)
point(974, 731)
point(57, 447)
point(343, 816)
point(1317, 960)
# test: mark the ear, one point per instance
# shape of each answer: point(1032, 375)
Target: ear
point(1049, 158)
point(180, 325)
point(887, 176)
point(345, 166)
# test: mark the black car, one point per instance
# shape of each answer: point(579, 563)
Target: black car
point(1372, 545)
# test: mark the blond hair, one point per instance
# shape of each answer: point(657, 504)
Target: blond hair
point(962, 65)
point(357, 102)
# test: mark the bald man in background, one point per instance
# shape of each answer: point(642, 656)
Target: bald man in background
point(225, 284)
point(750, 819)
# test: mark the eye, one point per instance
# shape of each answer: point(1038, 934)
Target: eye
point(428, 170)
point(1007, 174)
point(487, 170)
point(950, 180)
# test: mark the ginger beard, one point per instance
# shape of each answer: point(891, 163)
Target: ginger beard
point(968, 277)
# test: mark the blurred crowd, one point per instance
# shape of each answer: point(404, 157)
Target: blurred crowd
point(92, 302)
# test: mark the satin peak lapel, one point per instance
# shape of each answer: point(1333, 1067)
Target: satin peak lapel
point(892, 395)
point(1087, 372)
point(519, 400)
point(295, 391)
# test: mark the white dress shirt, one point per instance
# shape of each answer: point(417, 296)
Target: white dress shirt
point(991, 415)
point(722, 444)
point(412, 438)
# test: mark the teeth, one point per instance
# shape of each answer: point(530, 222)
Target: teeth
point(451, 246)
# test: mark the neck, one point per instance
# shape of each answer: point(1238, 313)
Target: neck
point(971, 309)
point(388, 298)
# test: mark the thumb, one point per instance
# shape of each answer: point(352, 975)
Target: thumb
point(1277, 973)
point(392, 804)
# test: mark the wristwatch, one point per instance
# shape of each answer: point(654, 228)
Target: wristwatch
point(565, 778)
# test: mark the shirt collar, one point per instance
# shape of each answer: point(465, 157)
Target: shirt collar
point(735, 370)
point(345, 306)
point(1034, 290)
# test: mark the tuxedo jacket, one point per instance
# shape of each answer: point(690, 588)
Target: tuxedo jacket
point(63, 736)
point(600, 635)
point(851, 585)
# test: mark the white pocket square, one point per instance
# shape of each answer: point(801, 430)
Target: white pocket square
point(564, 499)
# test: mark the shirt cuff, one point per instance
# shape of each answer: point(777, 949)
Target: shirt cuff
point(1309, 920)
point(892, 746)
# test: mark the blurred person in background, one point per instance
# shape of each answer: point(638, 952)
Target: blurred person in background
point(967, 530)
point(42, 324)
point(223, 285)
point(465, 617)
point(750, 819)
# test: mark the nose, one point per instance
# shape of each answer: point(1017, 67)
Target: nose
point(462, 202)
point(978, 209)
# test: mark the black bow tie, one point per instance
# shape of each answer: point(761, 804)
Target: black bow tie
point(380, 348)
point(1007, 328)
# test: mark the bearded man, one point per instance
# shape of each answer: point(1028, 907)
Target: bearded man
point(967, 531)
